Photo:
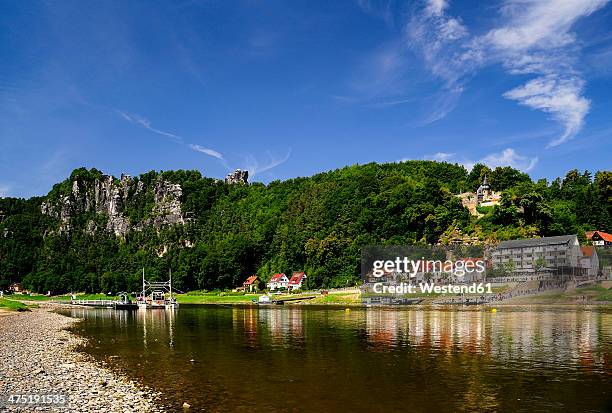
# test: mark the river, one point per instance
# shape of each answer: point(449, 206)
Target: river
point(328, 359)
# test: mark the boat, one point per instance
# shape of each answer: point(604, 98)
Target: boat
point(153, 295)
point(265, 300)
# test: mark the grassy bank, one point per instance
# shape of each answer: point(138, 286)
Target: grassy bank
point(596, 294)
point(214, 298)
point(11, 305)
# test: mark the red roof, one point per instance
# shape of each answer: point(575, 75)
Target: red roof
point(296, 278)
point(277, 277)
point(587, 251)
point(250, 280)
point(604, 235)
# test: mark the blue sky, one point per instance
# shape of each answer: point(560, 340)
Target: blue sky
point(288, 89)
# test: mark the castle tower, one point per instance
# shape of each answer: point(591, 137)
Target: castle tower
point(484, 191)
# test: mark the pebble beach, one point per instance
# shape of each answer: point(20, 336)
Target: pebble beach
point(39, 356)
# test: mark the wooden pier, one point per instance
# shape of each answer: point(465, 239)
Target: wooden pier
point(114, 304)
point(123, 303)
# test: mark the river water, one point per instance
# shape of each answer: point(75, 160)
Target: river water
point(324, 359)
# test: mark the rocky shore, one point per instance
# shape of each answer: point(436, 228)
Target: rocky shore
point(38, 356)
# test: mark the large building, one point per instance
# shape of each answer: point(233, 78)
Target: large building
point(535, 254)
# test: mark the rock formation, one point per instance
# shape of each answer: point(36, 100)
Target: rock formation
point(109, 196)
point(238, 176)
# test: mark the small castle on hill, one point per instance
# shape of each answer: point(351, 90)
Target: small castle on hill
point(484, 196)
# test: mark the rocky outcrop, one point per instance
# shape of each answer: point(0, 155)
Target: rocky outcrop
point(237, 177)
point(167, 210)
point(109, 197)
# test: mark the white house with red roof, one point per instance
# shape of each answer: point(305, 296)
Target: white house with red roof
point(278, 281)
point(599, 238)
point(296, 281)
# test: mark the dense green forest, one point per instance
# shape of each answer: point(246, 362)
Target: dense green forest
point(315, 224)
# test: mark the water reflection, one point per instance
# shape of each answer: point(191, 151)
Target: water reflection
point(330, 359)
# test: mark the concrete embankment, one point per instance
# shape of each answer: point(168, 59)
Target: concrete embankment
point(38, 356)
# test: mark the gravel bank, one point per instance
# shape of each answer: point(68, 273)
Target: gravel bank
point(37, 356)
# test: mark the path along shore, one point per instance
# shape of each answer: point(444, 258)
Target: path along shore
point(38, 356)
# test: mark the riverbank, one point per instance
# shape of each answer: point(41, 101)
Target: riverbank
point(595, 294)
point(12, 305)
point(39, 357)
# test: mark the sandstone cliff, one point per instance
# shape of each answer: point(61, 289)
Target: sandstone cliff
point(107, 197)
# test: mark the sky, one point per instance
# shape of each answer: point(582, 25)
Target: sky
point(287, 89)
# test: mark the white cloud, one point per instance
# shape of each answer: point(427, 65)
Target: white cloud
point(255, 166)
point(442, 156)
point(436, 7)
point(557, 96)
point(534, 38)
point(507, 157)
point(207, 151)
point(145, 123)
point(540, 23)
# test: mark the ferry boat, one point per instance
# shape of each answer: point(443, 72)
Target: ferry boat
point(156, 295)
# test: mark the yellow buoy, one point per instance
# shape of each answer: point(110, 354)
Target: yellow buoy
point(494, 310)
point(347, 309)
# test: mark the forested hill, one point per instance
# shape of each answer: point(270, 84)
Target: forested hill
point(95, 232)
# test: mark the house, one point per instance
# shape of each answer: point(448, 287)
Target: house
point(251, 284)
point(16, 288)
point(535, 254)
point(599, 238)
point(589, 260)
point(278, 281)
point(296, 281)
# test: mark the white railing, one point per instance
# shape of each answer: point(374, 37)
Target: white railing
point(94, 302)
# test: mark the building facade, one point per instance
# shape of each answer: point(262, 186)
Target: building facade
point(589, 261)
point(297, 280)
point(251, 284)
point(278, 281)
point(539, 254)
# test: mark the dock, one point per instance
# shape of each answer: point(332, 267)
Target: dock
point(123, 303)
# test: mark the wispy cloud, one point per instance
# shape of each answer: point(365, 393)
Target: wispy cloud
point(507, 157)
point(381, 74)
point(534, 38)
point(255, 166)
point(558, 96)
point(146, 124)
point(378, 8)
point(207, 151)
